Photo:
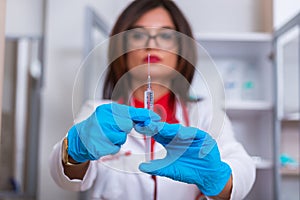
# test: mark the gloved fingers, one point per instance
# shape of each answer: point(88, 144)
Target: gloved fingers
point(124, 116)
point(118, 124)
point(102, 149)
point(113, 116)
point(83, 147)
point(143, 118)
point(169, 131)
point(101, 144)
point(135, 114)
point(151, 129)
point(99, 138)
point(208, 144)
point(142, 115)
point(155, 167)
point(103, 130)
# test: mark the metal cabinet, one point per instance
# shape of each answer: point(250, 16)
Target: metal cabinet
point(287, 119)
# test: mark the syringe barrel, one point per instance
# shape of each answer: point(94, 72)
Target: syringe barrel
point(148, 99)
point(148, 104)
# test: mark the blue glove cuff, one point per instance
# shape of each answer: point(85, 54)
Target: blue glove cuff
point(215, 185)
point(76, 148)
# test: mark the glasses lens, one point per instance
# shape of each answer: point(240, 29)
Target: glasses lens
point(167, 39)
point(137, 38)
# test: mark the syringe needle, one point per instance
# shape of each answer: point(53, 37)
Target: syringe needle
point(149, 77)
point(148, 103)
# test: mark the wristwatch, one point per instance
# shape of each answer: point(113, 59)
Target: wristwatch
point(65, 155)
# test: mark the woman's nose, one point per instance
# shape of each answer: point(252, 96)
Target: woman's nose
point(152, 43)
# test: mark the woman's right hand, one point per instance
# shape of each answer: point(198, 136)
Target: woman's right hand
point(106, 130)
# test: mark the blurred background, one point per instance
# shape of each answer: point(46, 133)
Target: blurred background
point(255, 45)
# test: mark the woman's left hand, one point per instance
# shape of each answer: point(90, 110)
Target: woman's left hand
point(192, 157)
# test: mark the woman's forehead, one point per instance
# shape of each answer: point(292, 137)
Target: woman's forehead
point(158, 17)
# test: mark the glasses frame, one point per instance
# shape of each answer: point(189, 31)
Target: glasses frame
point(146, 31)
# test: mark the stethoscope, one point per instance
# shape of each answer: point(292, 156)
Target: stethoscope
point(186, 121)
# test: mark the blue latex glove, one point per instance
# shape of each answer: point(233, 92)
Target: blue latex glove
point(192, 157)
point(106, 130)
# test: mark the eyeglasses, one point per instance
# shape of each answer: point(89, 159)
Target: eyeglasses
point(140, 38)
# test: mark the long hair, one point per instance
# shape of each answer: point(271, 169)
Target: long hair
point(117, 68)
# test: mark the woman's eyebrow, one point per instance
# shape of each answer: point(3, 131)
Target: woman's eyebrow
point(145, 27)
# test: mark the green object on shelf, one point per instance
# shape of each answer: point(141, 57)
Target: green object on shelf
point(248, 85)
point(286, 160)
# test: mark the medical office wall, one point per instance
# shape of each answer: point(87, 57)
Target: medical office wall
point(21, 98)
point(64, 44)
point(61, 24)
point(284, 11)
point(2, 38)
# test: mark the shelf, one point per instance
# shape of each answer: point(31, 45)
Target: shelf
point(248, 106)
point(261, 163)
point(252, 46)
point(291, 117)
point(234, 37)
point(289, 171)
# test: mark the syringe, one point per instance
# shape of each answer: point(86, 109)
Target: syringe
point(148, 103)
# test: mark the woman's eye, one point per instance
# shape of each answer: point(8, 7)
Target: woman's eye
point(166, 36)
point(138, 36)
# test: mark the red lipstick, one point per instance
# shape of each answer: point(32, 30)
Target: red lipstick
point(152, 59)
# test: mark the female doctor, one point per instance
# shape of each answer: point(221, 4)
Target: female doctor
point(104, 150)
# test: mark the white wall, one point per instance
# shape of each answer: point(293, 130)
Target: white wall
point(230, 16)
point(284, 10)
point(24, 18)
point(2, 46)
point(63, 55)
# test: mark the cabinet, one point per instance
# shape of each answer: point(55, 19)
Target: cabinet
point(19, 136)
point(243, 61)
point(287, 120)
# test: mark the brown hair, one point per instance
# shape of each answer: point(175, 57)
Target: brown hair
point(117, 68)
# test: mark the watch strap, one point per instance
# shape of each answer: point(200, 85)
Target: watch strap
point(65, 155)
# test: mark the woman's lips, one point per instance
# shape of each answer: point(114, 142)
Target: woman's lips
point(152, 59)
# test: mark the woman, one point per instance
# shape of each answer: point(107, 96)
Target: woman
point(104, 152)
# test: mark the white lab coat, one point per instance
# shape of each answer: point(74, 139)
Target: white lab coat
point(118, 177)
